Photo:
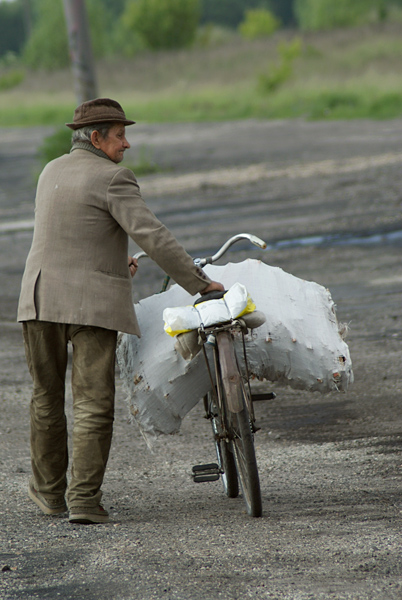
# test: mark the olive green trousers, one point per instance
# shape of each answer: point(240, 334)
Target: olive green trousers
point(93, 390)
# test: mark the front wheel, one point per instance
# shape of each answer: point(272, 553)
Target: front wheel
point(246, 462)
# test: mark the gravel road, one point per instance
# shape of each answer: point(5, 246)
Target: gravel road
point(328, 199)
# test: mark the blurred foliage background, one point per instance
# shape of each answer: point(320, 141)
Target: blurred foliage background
point(208, 59)
point(35, 29)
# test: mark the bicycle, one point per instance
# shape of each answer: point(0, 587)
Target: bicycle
point(229, 406)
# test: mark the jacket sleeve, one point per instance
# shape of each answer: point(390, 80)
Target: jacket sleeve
point(127, 207)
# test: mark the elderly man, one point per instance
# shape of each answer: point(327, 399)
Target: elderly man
point(76, 288)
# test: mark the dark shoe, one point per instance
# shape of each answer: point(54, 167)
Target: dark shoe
point(49, 507)
point(88, 516)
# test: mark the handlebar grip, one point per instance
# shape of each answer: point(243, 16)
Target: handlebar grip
point(210, 296)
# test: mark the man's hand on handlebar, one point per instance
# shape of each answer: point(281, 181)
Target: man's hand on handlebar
point(132, 265)
point(214, 286)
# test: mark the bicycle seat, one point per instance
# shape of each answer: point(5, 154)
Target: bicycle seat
point(210, 296)
point(254, 319)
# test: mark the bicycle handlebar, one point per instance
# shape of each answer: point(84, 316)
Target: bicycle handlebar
point(240, 236)
point(211, 259)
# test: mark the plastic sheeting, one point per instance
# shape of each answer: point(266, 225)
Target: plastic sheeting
point(299, 345)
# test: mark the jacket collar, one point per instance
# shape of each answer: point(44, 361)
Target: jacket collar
point(90, 148)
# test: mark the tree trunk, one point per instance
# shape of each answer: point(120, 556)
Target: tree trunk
point(80, 50)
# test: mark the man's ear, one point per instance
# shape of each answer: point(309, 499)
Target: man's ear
point(95, 138)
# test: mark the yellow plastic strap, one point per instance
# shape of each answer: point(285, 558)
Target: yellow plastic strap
point(172, 333)
point(249, 308)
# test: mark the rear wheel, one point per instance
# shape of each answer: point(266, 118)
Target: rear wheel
point(224, 452)
point(246, 462)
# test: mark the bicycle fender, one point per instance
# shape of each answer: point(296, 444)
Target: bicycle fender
point(230, 374)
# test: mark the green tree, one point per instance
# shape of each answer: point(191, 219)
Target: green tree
point(114, 7)
point(328, 14)
point(281, 72)
point(47, 47)
point(283, 10)
point(12, 30)
point(229, 13)
point(258, 22)
point(163, 23)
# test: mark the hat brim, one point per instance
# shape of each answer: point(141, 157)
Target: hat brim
point(79, 124)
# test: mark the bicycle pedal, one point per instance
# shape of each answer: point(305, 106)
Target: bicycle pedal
point(260, 397)
point(209, 472)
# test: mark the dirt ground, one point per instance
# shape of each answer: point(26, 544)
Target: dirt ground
point(327, 197)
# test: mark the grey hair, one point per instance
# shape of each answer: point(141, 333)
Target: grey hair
point(83, 134)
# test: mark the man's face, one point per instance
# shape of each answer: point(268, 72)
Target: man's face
point(115, 143)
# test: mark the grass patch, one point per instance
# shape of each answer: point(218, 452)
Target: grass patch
point(224, 105)
point(293, 102)
point(335, 104)
point(15, 113)
point(11, 79)
point(349, 105)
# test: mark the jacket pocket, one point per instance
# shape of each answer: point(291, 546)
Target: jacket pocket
point(111, 274)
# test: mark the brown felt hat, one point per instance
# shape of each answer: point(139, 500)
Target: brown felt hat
point(100, 110)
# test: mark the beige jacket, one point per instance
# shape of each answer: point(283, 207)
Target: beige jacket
point(76, 271)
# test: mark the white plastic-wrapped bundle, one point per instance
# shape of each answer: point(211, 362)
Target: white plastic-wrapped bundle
point(234, 303)
point(299, 345)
